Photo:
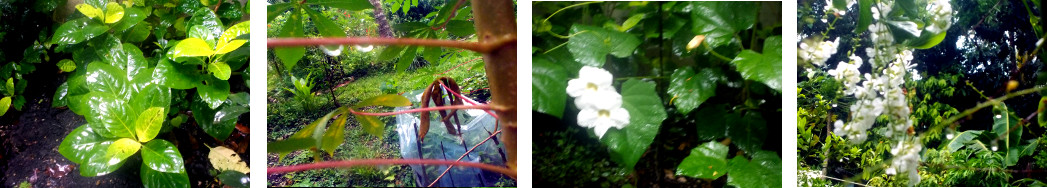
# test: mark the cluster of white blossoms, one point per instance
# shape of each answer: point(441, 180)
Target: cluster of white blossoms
point(906, 160)
point(830, 8)
point(817, 52)
point(601, 106)
point(941, 15)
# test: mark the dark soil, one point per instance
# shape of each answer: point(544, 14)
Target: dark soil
point(30, 140)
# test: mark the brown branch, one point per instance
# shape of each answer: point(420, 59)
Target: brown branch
point(481, 107)
point(482, 47)
point(376, 162)
point(463, 156)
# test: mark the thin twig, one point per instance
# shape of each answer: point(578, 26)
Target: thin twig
point(482, 47)
point(481, 107)
point(469, 101)
point(463, 156)
point(988, 103)
point(376, 162)
point(851, 182)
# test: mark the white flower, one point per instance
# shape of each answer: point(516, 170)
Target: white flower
point(830, 8)
point(367, 48)
point(817, 52)
point(906, 160)
point(590, 81)
point(605, 113)
point(848, 73)
point(941, 15)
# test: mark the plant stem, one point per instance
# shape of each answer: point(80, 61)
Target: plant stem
point(495, 20)
point(376, 162)
point(567, 7)
point(711, 51)
point(991, 102)
point(463, 156)
point(481, 107)
point(482, 47)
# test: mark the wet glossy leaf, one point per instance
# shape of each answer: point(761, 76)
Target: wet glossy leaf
point(178, 76)
point(766, 69)
point(461, 28)
point(592, 46)
point(220, 70)
point(5, 103)
point(123, 148)
point(714, 121)
point(79, 144)
point(234, 179)
point(113, 12)
point(210, 28)
point(221, 122)
point(60, 97)
point(226, 43)
point(292, 28)
point(77, 30)
point(66, 65)
point(748, 132)
point(153, 178)
point(765, 170)
point(389, 100)
point(10, 86)
point(213, 91)
point(903, 30)
point(132, 16)
point(646, 114)
point(961, 139)
point(89, 11)
point(719, 21)
point(865, 17)
point(225, 159)
point(148, 124)
point(191, 47)
point(372, 125)
point(98, 163)
point(632, 21)
point(162, 156)
point(689, 90)
point(343, 4)
point(707, 161)
point(929, 41)
point(548, 83)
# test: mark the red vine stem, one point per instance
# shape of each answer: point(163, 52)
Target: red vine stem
point(376, 162)
point(463, 156)
point(469, 101)
point(482, 47)
point(481, 107)
point(459, 65)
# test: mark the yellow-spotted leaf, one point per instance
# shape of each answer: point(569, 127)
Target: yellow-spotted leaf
point(390, 100)
point(89, 11)
point(113, 12)
point(5, 104)
point(122, 148)
point(149, 123)
point(225, 159)
point(223, 48)
point(371, 125)
point(220, 70)
point(192, 47)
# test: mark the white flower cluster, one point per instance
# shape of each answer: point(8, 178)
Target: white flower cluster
point(830, 8)
point(941, 15)
point(817, 52)
point(906, 160)
point(601, 106)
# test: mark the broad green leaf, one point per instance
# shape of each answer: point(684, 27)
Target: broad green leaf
point(929, 42)
point(865, 17)
point(209, 28)
point(225, 159)
point(162, 156)
point(432, 55)
point(351, 5)
point(132, 16)
point(220, 70)
point(5, 104)
point(274, 10)
point(105, 78)
point(646, 114)
point(389, 100)
point(764, 171)
point(707, 161)
point(748, 132)
point(213, 91)
point(335, 134)
point(79, 144)
point(149, 122)
point(390, 53)
point(903, 30)
point(325, 25)
point(139, 33)
point(548, 87)
point(291, 28)
point(316, 129)
point(123, 148)
point(66, 65)
point(154, 178)
point(961, 139)
point(60, 97)
point(221, 123)
point(234, 179)
point(719, 21)
point(89, 11)
point(285, 146)
point(758, 67)
point(77, 30)
point(1006, 127)
point(192, 47)
point(109, 117)
point(98, 163)
point(151, 93)
point(226, 43)
point(461, 28)
point(10, 86)
point(177, 76)
point(591, 44)
point(372, 125)
point(406, 59)
point(113, 12)
point(632, 21)
point(690, 90)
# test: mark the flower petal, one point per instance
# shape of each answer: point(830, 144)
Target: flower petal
point(588, 117)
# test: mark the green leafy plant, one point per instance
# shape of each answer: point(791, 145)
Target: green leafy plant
point(303, 90)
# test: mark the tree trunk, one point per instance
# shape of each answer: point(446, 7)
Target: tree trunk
point(379, 17)
point(495, 20)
